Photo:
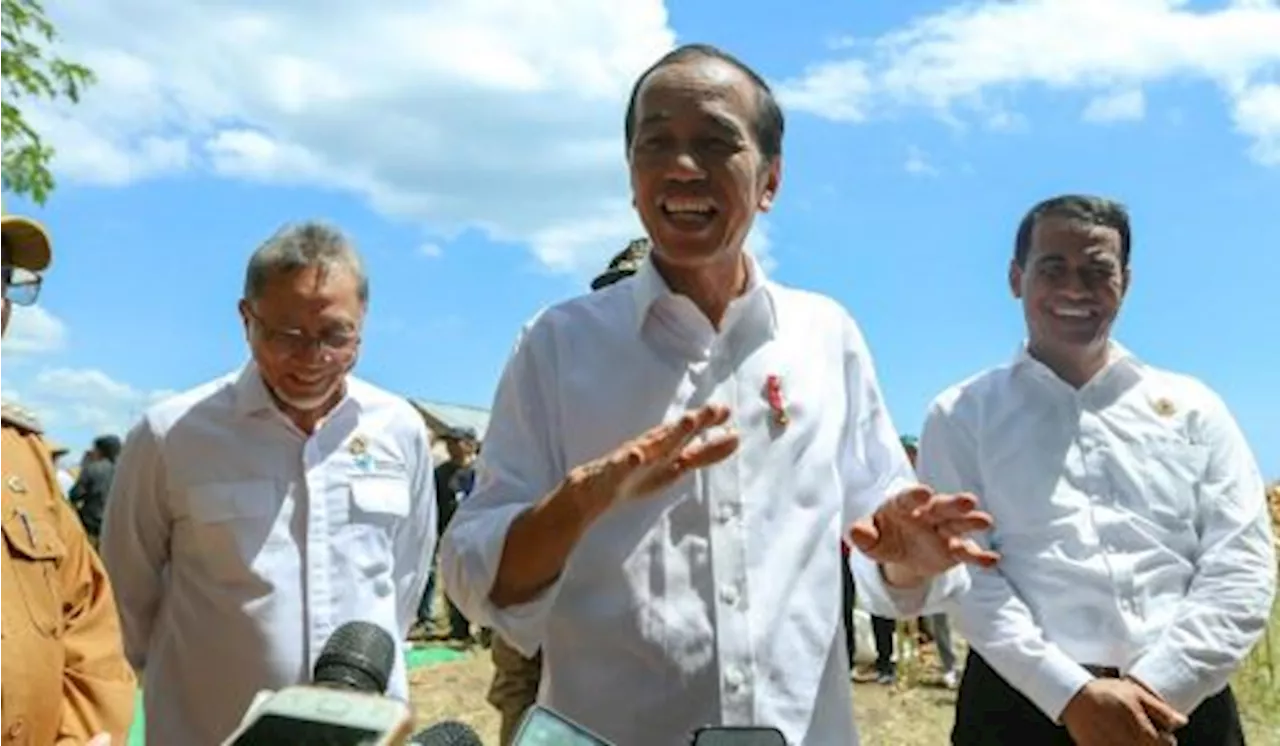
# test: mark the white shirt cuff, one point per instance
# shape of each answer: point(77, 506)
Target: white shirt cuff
point(470, 555)
point(1052, 683)
point(1169, 677)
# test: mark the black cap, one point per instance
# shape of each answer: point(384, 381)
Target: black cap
point(358, 656)
point(624, 263)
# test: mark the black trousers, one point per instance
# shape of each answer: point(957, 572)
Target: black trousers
point(848, 597)
point(990, 712)
point(883, 629)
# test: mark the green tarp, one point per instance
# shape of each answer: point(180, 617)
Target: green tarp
point(417, 657)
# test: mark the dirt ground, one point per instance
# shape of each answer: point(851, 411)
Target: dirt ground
point(918, 716)
point(887, 716)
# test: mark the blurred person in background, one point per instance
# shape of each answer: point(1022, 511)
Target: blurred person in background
point(66, 480)
point(936, 628)
point(454, 480)
point(89, 493)
point(65, 677)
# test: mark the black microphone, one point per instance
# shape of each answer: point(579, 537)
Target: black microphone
point(358, 656)
point(448, 733)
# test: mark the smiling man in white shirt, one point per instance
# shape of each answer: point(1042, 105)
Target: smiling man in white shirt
point(672, 460)
point(252, 516)
point(1137, 569)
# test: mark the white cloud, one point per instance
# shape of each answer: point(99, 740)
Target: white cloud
point(79, 403)
point(500, 115)
point(1257, 115)
point(32, 331)
point(1123, 106)
point(431, 250)
point(965, 58)
point(918, 164)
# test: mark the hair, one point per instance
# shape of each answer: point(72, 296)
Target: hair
point(769, 124)
point(1083, 208)
point(296, 247)
point(107, 446)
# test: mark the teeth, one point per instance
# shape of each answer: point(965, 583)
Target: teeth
point(1072, 313)
point(684, 205)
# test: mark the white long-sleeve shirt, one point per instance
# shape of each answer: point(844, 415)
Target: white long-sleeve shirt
point(236, 544)
point(1132, 522)
point(716, 601)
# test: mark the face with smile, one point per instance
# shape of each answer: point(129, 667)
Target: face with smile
point(698, 176)
point(304, 332)
point(1071, 284)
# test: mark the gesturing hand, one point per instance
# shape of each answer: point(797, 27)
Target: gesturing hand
point(657, 458)
point(923, 533)
point(1120, 712)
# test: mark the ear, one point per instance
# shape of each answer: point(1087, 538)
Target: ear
point(245, 317)
point(772, 180)
point(1125, 279)
point(1015, 279)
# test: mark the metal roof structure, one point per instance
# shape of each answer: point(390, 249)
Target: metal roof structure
point(441, 416)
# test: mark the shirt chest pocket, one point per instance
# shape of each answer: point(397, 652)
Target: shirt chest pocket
point(235, 527)
point(1169, 472)
point(378, 503)
point(37, 554)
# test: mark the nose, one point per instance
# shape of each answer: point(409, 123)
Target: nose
point(685, 167)
point(1076, 286)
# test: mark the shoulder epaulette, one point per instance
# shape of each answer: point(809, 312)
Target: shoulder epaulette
point(20, 417)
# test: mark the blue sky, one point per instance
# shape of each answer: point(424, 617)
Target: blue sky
point(474, 152)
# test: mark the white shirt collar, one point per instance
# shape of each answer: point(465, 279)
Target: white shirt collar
point(1118, 358)
point(648, 287)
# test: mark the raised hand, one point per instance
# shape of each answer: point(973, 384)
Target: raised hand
point(923, 534)
point(657, 458)
point(539, 541)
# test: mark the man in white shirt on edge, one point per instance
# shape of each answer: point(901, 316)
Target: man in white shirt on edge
point(1136, 563)
point(252, 516)
point(672, 460)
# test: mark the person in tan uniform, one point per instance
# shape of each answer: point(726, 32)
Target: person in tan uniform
point(65, 679)
point(515, 678)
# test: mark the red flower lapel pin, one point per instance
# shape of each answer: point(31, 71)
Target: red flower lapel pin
point(777, 403)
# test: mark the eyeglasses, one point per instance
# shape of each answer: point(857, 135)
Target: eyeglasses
point(297, 342)
point(21, 286)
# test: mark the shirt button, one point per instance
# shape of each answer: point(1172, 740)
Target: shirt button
point(729, 595)
point(734, 678)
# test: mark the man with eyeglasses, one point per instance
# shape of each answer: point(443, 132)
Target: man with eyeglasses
point(252, 516)
point(65, 676)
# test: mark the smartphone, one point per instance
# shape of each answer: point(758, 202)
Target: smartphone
point(318, 716)
point(738, 736)
point(543, 727)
